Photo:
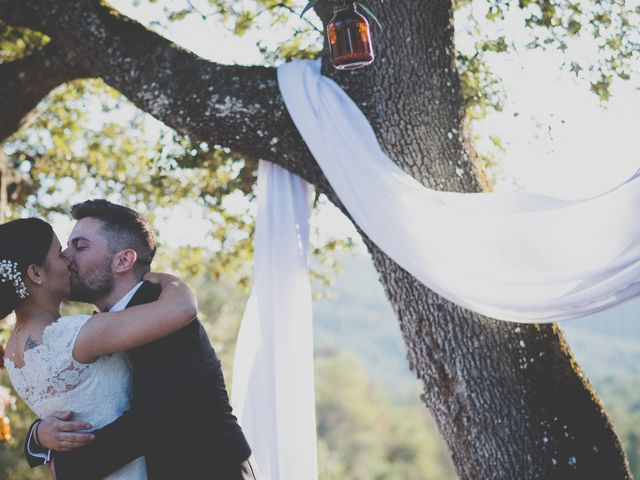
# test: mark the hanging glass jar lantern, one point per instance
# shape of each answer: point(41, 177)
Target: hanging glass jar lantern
point(349, 37)
point(5, 401)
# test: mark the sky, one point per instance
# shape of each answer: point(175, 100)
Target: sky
point(558, 138)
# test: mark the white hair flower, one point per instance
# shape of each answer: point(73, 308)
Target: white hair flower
point(9, 274)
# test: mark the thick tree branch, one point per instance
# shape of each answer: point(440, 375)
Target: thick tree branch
point(239, 107)
point(24, 82)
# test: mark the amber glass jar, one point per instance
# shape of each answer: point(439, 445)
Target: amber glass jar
point(349, 37)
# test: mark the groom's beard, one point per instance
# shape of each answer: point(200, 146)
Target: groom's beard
point(92, 285)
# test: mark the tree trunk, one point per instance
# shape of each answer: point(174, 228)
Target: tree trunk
point(508, 398)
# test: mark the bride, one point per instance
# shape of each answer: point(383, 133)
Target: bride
point(75, 362)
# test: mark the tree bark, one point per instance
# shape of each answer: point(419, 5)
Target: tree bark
point(509, 399)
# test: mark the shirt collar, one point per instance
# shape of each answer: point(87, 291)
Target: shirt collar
point(124, 301)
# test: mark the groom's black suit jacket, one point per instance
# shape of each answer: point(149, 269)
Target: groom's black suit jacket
point(180, 418)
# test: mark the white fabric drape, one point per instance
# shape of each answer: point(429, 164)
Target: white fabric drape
point(273, 390)
point(513, 256)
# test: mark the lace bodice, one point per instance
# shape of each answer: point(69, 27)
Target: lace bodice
point(52, 380)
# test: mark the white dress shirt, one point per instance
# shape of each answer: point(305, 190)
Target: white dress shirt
point(124, 301)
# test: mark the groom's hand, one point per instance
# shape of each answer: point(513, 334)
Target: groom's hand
point(59, 432)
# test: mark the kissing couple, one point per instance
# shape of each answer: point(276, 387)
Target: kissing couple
point(133, 392)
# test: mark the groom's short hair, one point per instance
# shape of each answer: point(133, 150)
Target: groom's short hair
point(123, 228)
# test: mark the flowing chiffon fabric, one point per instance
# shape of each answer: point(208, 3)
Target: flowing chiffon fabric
point(514, 256)
point(273, 391)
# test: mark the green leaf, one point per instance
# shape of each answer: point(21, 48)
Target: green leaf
point(308, 6)
point(368, 11)
point(179, 15)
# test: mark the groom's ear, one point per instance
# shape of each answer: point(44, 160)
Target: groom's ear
point(124, 260)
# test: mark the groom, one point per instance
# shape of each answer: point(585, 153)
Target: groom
point(180, 418)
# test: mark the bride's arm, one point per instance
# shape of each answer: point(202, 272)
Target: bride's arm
point(119, 331)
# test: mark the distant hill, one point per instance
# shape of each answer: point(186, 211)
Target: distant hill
point(360, 319)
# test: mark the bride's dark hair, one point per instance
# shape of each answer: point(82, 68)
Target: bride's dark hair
point(23, 242)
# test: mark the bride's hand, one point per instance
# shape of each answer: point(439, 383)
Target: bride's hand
point(175, 293)
point(162, 279)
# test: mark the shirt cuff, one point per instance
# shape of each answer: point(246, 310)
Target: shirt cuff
point(45, 456)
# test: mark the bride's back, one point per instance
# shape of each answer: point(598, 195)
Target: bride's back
point(52, 380)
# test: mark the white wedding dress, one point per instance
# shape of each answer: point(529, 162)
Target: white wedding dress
point(51, 380)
